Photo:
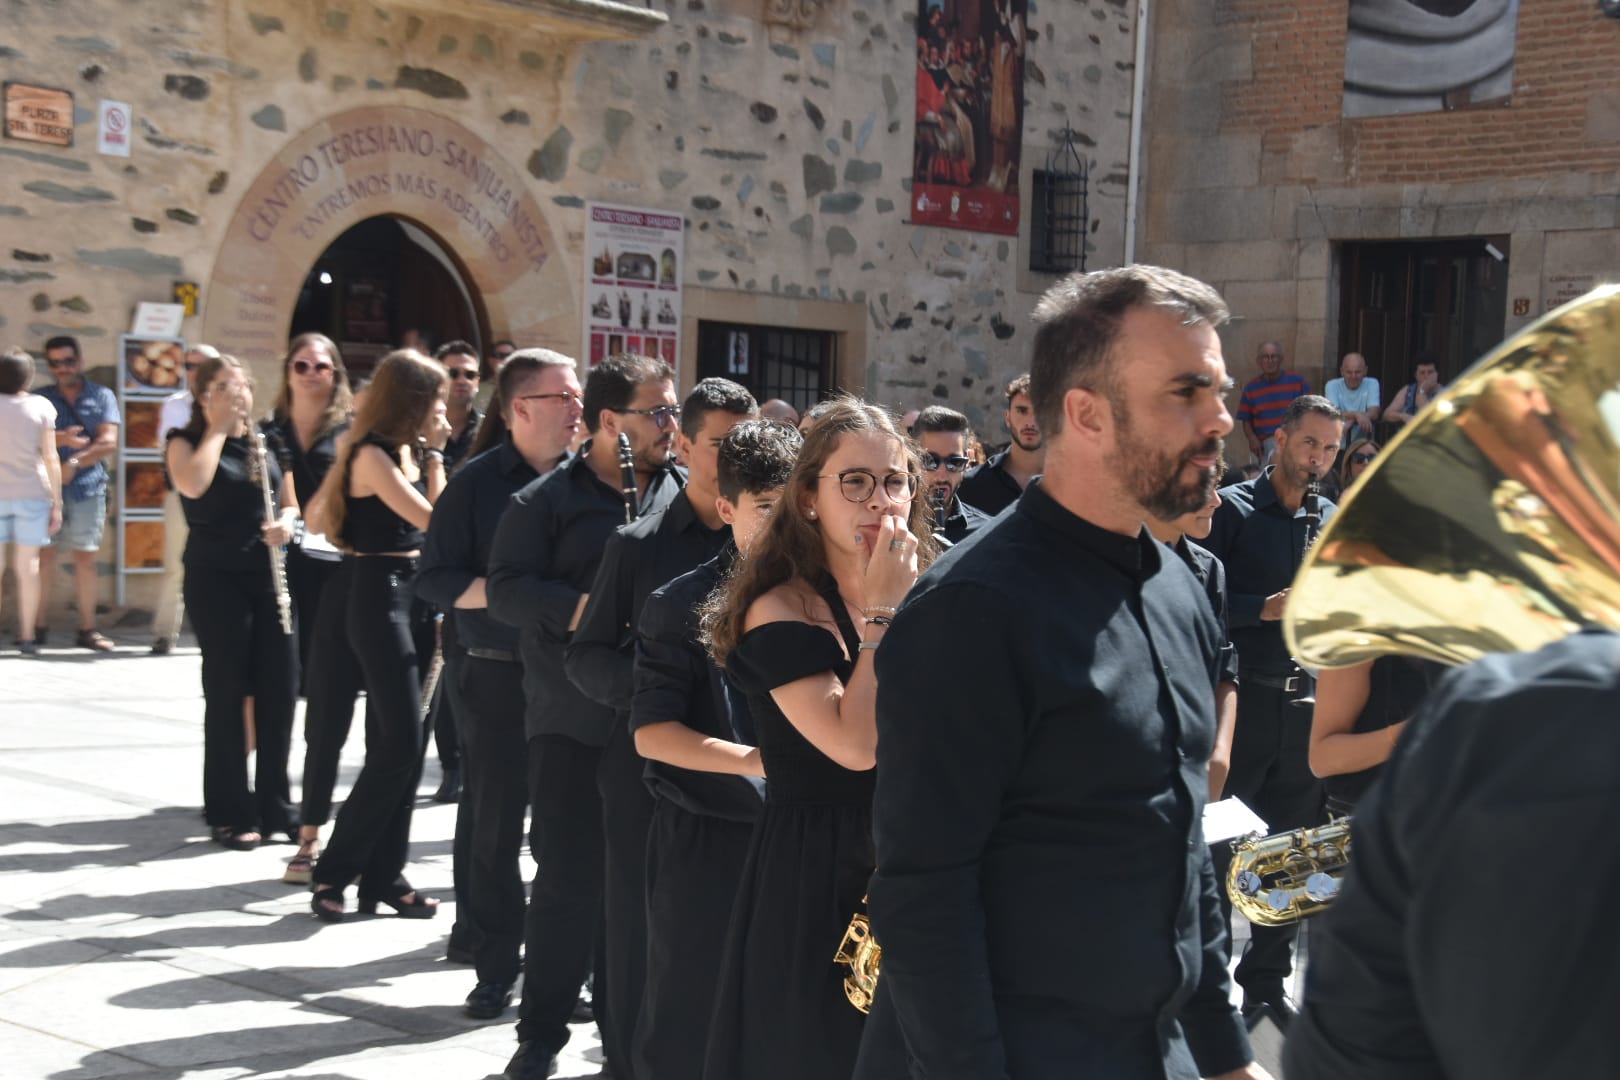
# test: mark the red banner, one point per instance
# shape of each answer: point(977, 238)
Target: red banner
point(970, 112)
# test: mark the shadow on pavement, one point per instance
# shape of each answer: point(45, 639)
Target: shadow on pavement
point(169, 832)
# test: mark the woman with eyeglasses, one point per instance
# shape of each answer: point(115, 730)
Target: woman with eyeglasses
point(377, 501)
point(795, 627)
point(214, 465)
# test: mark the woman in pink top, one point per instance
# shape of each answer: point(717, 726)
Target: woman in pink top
point(30, 484)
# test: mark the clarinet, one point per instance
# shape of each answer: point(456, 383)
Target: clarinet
point(938, 498)
point(1311, 504)
point(278, 566)
point(627, 476)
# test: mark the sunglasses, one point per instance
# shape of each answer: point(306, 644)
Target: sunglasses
point(953, 464)
point(302, 367)
point(858, 485)
point(65, 362)
point(461, 373)
point(192, 365)
point(1361, 459)
point(665, 416)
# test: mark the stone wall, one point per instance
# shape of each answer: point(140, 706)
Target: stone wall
point(1253, 176)
point(784, 138)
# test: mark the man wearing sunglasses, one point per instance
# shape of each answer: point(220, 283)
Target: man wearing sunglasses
point(942, 435)
point(460, 362)
point(87, 422)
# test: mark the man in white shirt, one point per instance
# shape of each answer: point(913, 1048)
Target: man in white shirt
point(175, 413)
point(1357, 396)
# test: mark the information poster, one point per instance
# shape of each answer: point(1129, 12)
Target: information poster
point(150, 369)
point(632, 293)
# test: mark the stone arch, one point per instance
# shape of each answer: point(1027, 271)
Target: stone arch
point(386, 160)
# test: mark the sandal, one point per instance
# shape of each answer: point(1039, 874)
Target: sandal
point(327, 904)
point(235, 839)
point(93, 640)
point(301, 867)
point(417, 907)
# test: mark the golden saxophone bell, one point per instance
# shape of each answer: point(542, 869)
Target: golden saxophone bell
point(864, 955)
point(1491, 524)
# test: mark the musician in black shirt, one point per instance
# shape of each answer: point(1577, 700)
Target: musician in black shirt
point(942, 435)
point(996, 485)
point(1044, 897)
point(542, 412)
point(541, 566)
point(1259, 535)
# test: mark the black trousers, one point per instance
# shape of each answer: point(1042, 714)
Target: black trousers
point(494, 796)
point(563, 925)
point(307, 579)
point(244, 653)
point(332, 684)
point(694, 863)
point(1271, 773)
point(373, 829)
point(627, 808)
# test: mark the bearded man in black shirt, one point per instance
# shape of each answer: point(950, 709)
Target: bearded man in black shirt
point(1044, 897)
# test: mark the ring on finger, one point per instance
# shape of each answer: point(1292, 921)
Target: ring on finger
point(897, 545)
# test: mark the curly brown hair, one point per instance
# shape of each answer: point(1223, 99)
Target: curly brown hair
point(791, 546)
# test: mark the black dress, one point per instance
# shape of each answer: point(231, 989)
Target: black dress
point(781, 1011)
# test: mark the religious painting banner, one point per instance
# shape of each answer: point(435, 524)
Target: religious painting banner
point(632, 292)
point(970, 114)
point(1411, 56)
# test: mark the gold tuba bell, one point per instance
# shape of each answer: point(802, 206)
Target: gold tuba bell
point(1490, 524)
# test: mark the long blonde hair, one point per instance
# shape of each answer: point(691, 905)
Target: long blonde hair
point(399, 399)
point(791, 547)
point(342, 403)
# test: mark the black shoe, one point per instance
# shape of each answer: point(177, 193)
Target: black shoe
point(583, 1013)
point(488, 1000)
point(1280, 1012)
point(531, 1062)
point(450, 787)
point(162, 646)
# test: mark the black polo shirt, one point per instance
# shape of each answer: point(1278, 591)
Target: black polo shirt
point(1212, 576)
point(1043, 885)
point(459, 539)
point(676, 681)
point(308, 467)
point(989, 487)
point(457, 447)
point(546, 550)
point(1261, 545)
point(961, 521)
point(651, 551)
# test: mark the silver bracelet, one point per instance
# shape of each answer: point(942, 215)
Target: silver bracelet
point(866, 645)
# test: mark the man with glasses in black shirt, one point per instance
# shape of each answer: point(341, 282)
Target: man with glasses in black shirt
point(942, 435)
point(1259, 535)
point(651, 551)
point(541, 567)
point(1044, 896)
point(541, 404)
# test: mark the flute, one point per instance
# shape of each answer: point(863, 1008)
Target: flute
point(627, 476)
point(278, 557)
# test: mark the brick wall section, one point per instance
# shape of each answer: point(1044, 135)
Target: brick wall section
point(1564, 69)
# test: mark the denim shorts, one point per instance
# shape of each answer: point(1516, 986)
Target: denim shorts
point(26, 522)
point(82, 523)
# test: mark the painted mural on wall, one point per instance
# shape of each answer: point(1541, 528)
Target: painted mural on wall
point(1409, 56)
point(970, 105)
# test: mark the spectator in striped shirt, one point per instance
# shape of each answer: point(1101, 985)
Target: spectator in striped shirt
point(1265, 401)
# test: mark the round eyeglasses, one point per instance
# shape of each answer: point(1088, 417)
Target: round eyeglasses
point(858, 485)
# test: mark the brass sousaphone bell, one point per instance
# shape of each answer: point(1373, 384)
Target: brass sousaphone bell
point(1490, 524)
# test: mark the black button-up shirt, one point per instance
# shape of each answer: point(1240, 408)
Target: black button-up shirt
point(1212, 576)
point(1261, 545)
point(1043, 890)
point(546, 550)
point(459, 539)
point(990, 487)
point(676, 681)
point(308, 467)
point(1474, 938)
point(651, 551)
point(457, 447)
point(961, 520)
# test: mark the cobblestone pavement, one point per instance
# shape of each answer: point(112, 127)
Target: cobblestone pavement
point(131, 946)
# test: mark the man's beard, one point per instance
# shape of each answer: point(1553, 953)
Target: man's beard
point(1298, 476)
point(1028, 448)
point(1153, 476)
point(655, 455)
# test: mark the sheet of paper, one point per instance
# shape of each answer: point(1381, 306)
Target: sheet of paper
point(1228, 819)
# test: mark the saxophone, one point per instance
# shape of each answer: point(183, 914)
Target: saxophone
point(864, 955)
point(1285, 877)
point(260, 464)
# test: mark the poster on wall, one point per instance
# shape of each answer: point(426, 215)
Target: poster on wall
point(970, 113)
point(150, 369)
point(633, 259)
point(1413, 56)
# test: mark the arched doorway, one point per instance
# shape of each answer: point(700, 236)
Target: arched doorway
point(426, 173)
point(381, 279)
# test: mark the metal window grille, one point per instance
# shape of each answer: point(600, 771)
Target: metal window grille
point(1061, 212)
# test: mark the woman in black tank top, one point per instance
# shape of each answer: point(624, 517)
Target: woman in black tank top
point(1360, 713)
point(232, 602)
point(377, 500)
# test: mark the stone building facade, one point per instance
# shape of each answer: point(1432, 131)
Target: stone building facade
point(1257, 182)
point(781, 129)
